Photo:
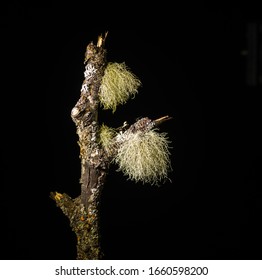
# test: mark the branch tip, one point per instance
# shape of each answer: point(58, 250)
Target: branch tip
point(162, 119)
point(101, 40)
point(56, 196)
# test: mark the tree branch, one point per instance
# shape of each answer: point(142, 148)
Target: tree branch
point(85, 115)
point(83, 211)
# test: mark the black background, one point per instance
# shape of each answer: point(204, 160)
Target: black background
point(189, 60)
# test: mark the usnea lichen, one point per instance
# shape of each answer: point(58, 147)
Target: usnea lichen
point(145, 157)
point(117, 86)
point(106, 136)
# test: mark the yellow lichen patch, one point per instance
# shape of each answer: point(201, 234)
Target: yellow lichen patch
point(117, 86)
point(58, 196)
point(144, 156)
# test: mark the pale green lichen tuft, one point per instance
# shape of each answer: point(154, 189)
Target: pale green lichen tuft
point(144, 156)
point(117, 86)
point(106, 136)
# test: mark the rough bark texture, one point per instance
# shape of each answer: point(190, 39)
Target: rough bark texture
point(83, 211)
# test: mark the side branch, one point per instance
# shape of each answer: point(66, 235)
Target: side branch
point(85, 226)
point(161, 120)
point(142, 125)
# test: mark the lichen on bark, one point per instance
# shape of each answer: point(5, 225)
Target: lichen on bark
point(96, 156)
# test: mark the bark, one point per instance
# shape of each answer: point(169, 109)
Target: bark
point(83, 211)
